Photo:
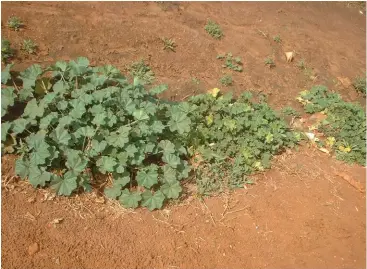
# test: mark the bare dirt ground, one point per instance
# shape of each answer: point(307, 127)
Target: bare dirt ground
point(302, 213)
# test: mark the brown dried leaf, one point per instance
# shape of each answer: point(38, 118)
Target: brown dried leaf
point(30, 217)
point(324, 150)
point(289, 56)
point(351, 181)
point(31, 200)
point(100, 200)
point(57, 221)
point(345, 82)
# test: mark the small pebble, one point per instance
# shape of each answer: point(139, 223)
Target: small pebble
point(33, 249)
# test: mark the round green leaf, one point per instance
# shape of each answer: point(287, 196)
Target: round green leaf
point(65, 185)
point(171, 190)
point(113, 192)
point(62, 136)
point(106, 164)
point(153, 201)
point(130, 199)
point(22, 168)
point(147, 178)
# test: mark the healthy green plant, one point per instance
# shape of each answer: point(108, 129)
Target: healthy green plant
point(234, 63)
point(269, 62)
point(169, 44)
point(290, 111)
point(142, 71)
point(6, 50)
point(213, 29)
point(80, 121)
point(277, 39)
point(87, 120)
point(359, 84)
point(232, 139)
point(29, 46)
point(345, 124)
point(226, 80)
point(15, 23)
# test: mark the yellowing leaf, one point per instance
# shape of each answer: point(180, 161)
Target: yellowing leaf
point(345, 149)
point(324, 150)
point(214, 92)
point(330, 141)
point(43, 85)
point(305, 92)
point(209, 119)
point(258, 166)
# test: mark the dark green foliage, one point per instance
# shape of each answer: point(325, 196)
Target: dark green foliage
point(80, 120)
point(92, 119)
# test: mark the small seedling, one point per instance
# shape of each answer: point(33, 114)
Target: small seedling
point(213, 29)
point(277, 39)
point(359, 84)
point(269, 62)
point(226, 80)
point(142, 71)
point(29, 46)
point(195, 80)
point(301, 64)
point(196, 84)
point(6, 51)
point(232, 63)
point(169, 44)
point(15, 23)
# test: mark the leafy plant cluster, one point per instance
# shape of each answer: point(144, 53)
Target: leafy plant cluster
point(15, 23)
point(359, 84)
point(226, 80)
point(29, 46)
point(142, 71)
point(290, 111)
point(79, 121)
point(6, 51)
point(234, 63)
point(213, 29)
point(344, 127)
point(233, 138)
point(269, 62)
